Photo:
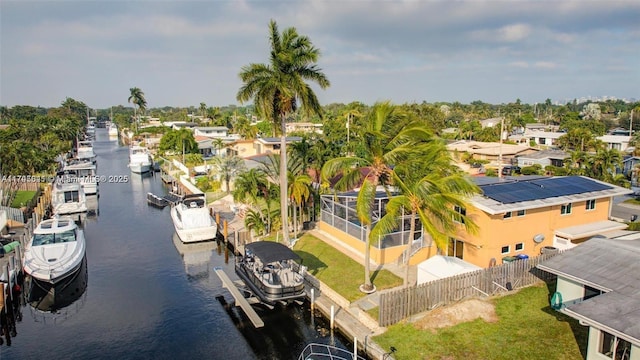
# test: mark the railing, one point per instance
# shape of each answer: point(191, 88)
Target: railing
point(317, 351)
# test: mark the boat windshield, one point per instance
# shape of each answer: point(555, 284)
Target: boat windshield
point(48, 239)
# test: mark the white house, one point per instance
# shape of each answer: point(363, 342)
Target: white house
point(599, 285)
point(545, 138)
point(617, 142)
point(211, 132)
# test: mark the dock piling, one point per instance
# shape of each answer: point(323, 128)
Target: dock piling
point(332, 318)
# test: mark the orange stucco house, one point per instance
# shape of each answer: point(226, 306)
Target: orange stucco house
point(516, 217)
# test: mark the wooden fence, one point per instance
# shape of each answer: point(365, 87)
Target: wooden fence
point(13, 213)
point(398, 304)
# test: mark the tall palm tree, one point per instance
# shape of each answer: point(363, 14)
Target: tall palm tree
point(278, 86)
point(388, 141)
point(432, 199)
point(137, 98)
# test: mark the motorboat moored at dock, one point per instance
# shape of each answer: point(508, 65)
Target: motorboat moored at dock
point(192, 220)
point(68, 197)
point(55, 251)
point(139, 159)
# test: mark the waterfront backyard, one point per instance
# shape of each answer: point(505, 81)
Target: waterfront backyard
point(518, 325)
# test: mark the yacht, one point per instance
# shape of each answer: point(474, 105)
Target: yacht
point(192, 220)
point(52, 298)
point(113, 130)
point(85, 152)
point(67, 196)
point(85, 172)
point(55, 251)
point(139, 159)
point(269, 271)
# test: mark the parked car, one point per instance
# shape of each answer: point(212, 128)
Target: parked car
point(510, 170)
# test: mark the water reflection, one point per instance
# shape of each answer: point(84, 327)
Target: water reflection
point(197, 258)
point(57, 299)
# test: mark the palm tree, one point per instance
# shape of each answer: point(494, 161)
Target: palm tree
point(218, 144)
point(137, 98)
point(247, 186)
point(299, 191)
point(203, 110)
point(386, 143)
point(277, 87)
point(228, 167)
point(432, 199)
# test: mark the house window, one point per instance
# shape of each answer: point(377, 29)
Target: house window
point(461, 213)
point(519, 246)
point(591, 204)
point(565, 209)
point(505, 250)
point(507, 215)
point(456, 248)
point(542, 141)
point(521, 213)
point(613, 347)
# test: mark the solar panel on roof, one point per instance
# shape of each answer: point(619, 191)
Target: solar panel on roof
point(513, 192)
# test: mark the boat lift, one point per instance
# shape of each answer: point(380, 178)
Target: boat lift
point(239, 298)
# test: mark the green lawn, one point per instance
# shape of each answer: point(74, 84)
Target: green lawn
point(337, 270)
point(22, 198)
point(527, 329)
point(632, 201)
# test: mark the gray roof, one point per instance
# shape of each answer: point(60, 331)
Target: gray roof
point(212, 128)
point(611, 265)
point(545, 154)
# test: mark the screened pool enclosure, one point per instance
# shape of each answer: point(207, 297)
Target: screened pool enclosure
point(339, 211)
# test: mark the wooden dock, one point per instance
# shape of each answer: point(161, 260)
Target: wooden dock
point(240, 300)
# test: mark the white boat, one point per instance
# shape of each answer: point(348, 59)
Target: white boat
point(192, 220)
point(55, 251)
point(67, 196)
point(85, 172)
point(85, 152)
point(113, 130)
point(139, 159)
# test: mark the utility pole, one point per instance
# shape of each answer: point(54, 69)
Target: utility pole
point(631, 123)
point(500, 153)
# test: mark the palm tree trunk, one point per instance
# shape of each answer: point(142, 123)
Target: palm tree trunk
point(412, 230)
point(295, 227)
point(367, 257)
point(283, 181)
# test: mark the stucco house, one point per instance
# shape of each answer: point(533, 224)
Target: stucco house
point(599, 285)
point(247, 148)
point(516, 216)
point(306, 127)
point(543, 158)
point(490, 151)
point(617, 142)
point(543, 138)
point(211, 131)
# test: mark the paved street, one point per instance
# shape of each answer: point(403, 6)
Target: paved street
point(623, 211)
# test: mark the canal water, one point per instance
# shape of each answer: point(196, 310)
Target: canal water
point(144, 295)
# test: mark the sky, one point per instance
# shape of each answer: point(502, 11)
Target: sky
point(183, 53)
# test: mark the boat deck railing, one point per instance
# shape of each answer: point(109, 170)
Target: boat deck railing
point(315, 351)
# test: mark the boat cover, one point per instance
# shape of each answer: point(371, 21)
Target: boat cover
point(269, 251)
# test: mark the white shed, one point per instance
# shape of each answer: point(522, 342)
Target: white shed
point(438, 267)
